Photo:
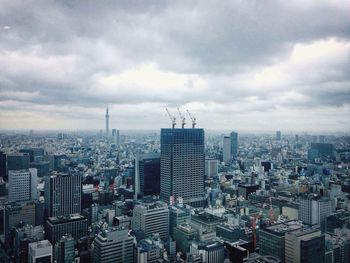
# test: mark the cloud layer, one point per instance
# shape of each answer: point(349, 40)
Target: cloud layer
point(245, 65)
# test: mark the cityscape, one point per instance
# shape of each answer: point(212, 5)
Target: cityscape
point(174, 131)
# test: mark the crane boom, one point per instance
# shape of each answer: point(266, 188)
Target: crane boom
point(192, 118)
point(172, 118)
point(183, 118)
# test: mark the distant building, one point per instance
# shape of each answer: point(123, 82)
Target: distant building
point(113, 246)
point(318, 150)
point(211, 167)
point(62, 194)
point(234, 144)
point(23, 185)
point(152, 218)
point(116, 136)
point(107, 123)
point(182, 165)
point(147, 173)
point(278, 135)
point(40, 252)
point(304, 245)
point(3, 164)
point(226, 149)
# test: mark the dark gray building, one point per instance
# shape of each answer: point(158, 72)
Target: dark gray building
point(147, 172)
point(182, 165)
point(57, 227)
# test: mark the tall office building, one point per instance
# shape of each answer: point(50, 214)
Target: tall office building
point(113, 245)
point(226, 149)
point(182, 165)
point(115, 136)
point(23, 185)
point(147, 174)
point(278, 135)
point(234, 144)
point(62, 194)
point(304, 245)
point(211, 167)
point(40, 252)
point(107, 122)
point(152, 218)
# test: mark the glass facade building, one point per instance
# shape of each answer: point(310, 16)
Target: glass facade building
point(182, 165)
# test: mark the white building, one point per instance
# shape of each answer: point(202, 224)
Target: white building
point(40, 251)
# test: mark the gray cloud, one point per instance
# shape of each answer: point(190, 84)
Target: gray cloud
point(235, 56)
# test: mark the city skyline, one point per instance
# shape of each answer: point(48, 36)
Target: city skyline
point(236, 66)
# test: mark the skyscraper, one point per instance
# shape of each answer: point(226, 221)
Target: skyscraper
point(226, 149)
point(62, 194)
point(147, 174)
point(182, 165)
point(234, 144)
point(107, 122)
point(23, 185)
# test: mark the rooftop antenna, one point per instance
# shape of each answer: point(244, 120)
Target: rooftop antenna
point(172, 118)
point(192, 118)
point(183, 118)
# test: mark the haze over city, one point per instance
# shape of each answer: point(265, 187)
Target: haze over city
point(245, 65)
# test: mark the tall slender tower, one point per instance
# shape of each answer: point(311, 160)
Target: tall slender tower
point(107, 122)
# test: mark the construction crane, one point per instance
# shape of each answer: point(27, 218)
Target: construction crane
point(172, 118)
point(183, 119)
point(192, 118)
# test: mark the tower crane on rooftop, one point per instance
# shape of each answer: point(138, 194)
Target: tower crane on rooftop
point(172, 118)
point(183, 118)
point(192, 118)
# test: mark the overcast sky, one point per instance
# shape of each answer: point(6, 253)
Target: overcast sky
point(243, 65)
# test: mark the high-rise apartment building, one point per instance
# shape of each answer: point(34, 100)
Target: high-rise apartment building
point(62, 194)
point(23, 185)
point(234, 144)
point(152, 218)
point(182, 165)
point(113, 245)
